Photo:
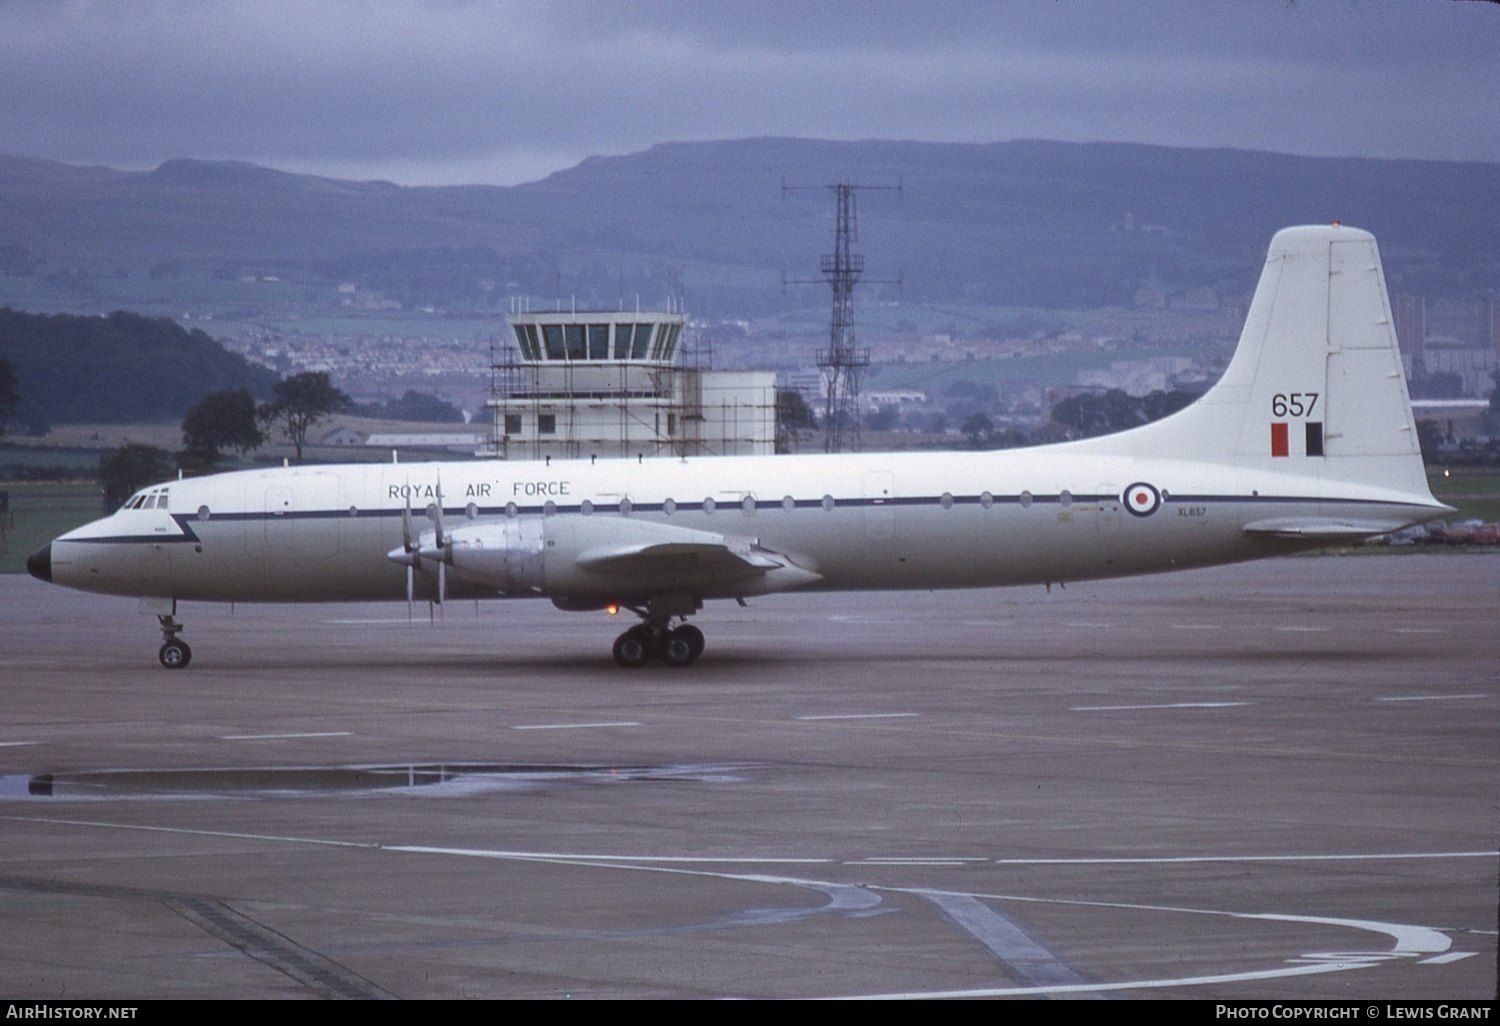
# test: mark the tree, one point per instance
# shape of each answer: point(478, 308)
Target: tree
point(9, 397)
point(883, 419)
point(129, 468)
point(301, 401)
point(978, 427)
point(793, 419)
point(422, 408)
point(219, 421)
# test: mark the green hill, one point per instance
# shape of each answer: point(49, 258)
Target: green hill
point(1032, 224)
point(117, 369)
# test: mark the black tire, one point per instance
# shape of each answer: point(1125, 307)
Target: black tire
point(175, 654)
point(694, 638)
point(633, 648)
point(682, 646)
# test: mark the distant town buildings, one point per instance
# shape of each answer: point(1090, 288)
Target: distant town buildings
point(1449, 349)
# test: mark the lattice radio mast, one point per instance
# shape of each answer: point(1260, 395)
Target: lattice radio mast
point(843, 363)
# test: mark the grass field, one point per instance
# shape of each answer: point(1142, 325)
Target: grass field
point(40, 512)
point(1475, 491)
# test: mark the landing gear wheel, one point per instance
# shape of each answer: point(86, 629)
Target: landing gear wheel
point(694, 638)
point(175, 654)
point(633, 648)
point(682, 647)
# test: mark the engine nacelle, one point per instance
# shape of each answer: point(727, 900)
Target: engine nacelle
point(506, 554)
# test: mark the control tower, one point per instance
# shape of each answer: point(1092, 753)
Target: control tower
point(611, 385)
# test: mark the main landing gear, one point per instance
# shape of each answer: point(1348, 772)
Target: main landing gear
point(174, 652)
point(679, 646)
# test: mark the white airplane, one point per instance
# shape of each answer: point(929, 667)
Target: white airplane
point(1307, 439)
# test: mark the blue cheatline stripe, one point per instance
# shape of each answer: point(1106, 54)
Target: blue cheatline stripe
point(460, 513)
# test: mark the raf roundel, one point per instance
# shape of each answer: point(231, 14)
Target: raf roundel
point(1142, 499)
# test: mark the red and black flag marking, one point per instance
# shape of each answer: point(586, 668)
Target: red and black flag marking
point(1312, 435)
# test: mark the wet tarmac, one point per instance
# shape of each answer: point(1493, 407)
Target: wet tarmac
point(1270, 781)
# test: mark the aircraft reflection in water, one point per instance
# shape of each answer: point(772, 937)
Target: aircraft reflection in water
point(1307, 439)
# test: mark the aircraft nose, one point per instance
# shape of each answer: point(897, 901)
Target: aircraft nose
point(39, 563)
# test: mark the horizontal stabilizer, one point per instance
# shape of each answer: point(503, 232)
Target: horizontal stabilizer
point(1323, 530)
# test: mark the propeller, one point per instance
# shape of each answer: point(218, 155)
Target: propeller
point(409, 550)
point(444, 553)
point(441, 549)
point(412, 551)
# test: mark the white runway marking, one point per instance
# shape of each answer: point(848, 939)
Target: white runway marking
point(392, 619)
point(1169, 705)
point(950, 861)
point(860, 716)
point(1195, 626)
point(280, 737)
point(1417, 630)
point(572, 726)
point(1452, 956)
point(1092, 625)
point(1429, 698)
point(1302, 630)
point(606, 860)
point(17, 744)
point(1170, 859)
point(1410, 941)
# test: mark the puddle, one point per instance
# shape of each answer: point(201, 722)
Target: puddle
point(424, 779)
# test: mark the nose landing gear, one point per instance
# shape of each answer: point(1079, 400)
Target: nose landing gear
point(174, 652)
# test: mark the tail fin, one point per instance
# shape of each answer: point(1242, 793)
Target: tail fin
point(1316, 387)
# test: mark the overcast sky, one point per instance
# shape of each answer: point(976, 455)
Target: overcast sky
point(453, 91)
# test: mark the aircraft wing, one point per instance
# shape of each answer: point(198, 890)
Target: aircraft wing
point(612, 556)
point(730, 554)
